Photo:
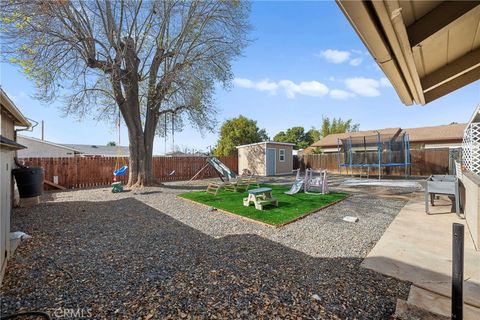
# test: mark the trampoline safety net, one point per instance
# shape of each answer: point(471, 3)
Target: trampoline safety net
point(372, 151)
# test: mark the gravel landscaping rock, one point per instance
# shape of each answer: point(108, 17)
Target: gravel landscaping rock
point(149, 254)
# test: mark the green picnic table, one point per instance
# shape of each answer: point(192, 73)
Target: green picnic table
point(260, 197)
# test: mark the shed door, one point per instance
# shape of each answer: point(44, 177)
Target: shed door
point(270, 161)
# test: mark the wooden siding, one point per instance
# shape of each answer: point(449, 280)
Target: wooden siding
point(89, 172)
point(425, 162)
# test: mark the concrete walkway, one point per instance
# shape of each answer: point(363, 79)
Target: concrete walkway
point(418, 248)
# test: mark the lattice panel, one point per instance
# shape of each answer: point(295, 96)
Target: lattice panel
point(471, 148)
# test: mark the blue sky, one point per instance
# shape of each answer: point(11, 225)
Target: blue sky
point(305, 61)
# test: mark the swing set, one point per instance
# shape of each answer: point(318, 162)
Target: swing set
point(121, 166)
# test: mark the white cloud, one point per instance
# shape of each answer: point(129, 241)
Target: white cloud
point(356, 51)
point(308, 88)
point(243, 83)
point(355, 62)
point(355, 86)
point(335, 56)
point(291, 89)
point(267, 85)
point(263, 85)
point(384, 82)
point(363, 86)
point(341, 94)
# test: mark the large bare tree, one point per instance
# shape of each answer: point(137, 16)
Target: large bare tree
point(151, 60)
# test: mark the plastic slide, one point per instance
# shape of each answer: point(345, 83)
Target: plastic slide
point(296, 187)
point(221, 168)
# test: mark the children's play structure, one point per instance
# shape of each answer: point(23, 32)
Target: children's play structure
point(120, 164)
point(231, 182)
point(309, 183)
point(374, 151)
point(222, 170)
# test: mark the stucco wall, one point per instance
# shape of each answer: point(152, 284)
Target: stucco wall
point(38, 149)
point(286, 166)
point(252, 158)
point(6, 164)
point(472, 205)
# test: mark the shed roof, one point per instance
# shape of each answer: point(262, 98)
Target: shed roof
point(426, 49)
point(11, 108)
point(265, 142)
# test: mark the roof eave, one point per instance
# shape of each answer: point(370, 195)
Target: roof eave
point(361, 16)
point(20, 119)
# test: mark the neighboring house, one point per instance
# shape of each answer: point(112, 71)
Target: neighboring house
point(447, 136)
point(38, 148)
point(330, 143)
point(266, 158)
point(88, 150)
point(10, 117)
point(185, 154)
point(444, 136)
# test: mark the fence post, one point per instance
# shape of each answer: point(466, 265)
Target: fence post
point(458, 232)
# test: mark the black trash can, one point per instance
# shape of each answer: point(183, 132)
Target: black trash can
point(29, 181)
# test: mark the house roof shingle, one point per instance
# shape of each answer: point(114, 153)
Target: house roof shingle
point(437, 133)
point(96, 150)
point(332, 139)
point(423, 134)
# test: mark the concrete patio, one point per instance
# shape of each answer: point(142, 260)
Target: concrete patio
point(418, 248)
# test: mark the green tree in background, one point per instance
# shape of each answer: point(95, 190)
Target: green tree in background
point(314, 134)
point(337, 126)
point(238, 131)
point(111, 144)
point(298, 136)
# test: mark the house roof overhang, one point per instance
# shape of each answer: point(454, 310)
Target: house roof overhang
point(426, 49)
point(10, 144)
point(18, 118)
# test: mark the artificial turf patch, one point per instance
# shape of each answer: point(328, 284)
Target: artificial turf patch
point(290, 207)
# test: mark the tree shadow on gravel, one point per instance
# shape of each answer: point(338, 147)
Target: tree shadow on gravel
point(124, 259)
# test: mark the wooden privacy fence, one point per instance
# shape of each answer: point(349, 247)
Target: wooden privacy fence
point(424, 162)
point(88, 172)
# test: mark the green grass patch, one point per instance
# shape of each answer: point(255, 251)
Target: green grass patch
point(290, 207)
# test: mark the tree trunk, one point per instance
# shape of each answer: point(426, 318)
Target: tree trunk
point(140, 170)
point(151, 121)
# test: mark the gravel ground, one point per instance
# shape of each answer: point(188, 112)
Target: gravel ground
point(151, 255)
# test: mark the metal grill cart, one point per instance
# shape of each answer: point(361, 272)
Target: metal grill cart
point(442, 184)
point(374, 151)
